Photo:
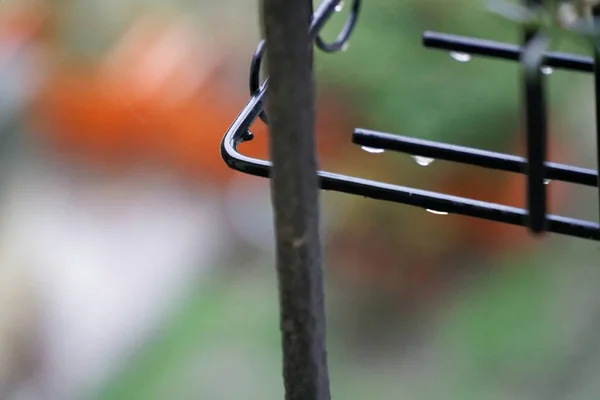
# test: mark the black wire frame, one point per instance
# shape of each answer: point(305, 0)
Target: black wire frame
point(535, 166)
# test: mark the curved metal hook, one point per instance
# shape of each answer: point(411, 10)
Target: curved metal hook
point(321, 15)
point(343, 37)
point(255, 75)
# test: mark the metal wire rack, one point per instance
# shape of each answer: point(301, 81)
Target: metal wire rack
point(290, 31)
point(538, 170)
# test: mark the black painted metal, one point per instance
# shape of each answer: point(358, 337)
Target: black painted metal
point(535, 216)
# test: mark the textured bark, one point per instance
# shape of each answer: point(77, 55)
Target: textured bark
point(294, 184)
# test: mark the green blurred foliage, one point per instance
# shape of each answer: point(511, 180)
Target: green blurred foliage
point(406, 88)
point(493, 342)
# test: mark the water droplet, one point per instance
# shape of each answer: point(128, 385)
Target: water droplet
point(460, 57)
point(547, 70)
point(340, 6)
point(436, 212)
point(547, 181)
point(423, 161)
point(372, 150)
point(345, 46)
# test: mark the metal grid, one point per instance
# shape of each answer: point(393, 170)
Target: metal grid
point(294, 178)
point(535, 166)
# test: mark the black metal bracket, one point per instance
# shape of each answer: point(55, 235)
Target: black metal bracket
point(532, 57)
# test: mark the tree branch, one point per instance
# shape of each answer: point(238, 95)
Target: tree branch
point(294, 186)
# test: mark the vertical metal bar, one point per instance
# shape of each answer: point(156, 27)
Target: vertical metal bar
point(535, 119)
point(294, 188)
point(536, 152)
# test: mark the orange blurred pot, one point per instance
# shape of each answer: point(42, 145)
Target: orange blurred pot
point(132, 109)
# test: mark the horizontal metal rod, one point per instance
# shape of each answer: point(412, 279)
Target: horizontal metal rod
point(470, 156)
point(506, 51)
point(238, 133)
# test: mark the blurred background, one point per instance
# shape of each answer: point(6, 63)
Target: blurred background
point(135, 265)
